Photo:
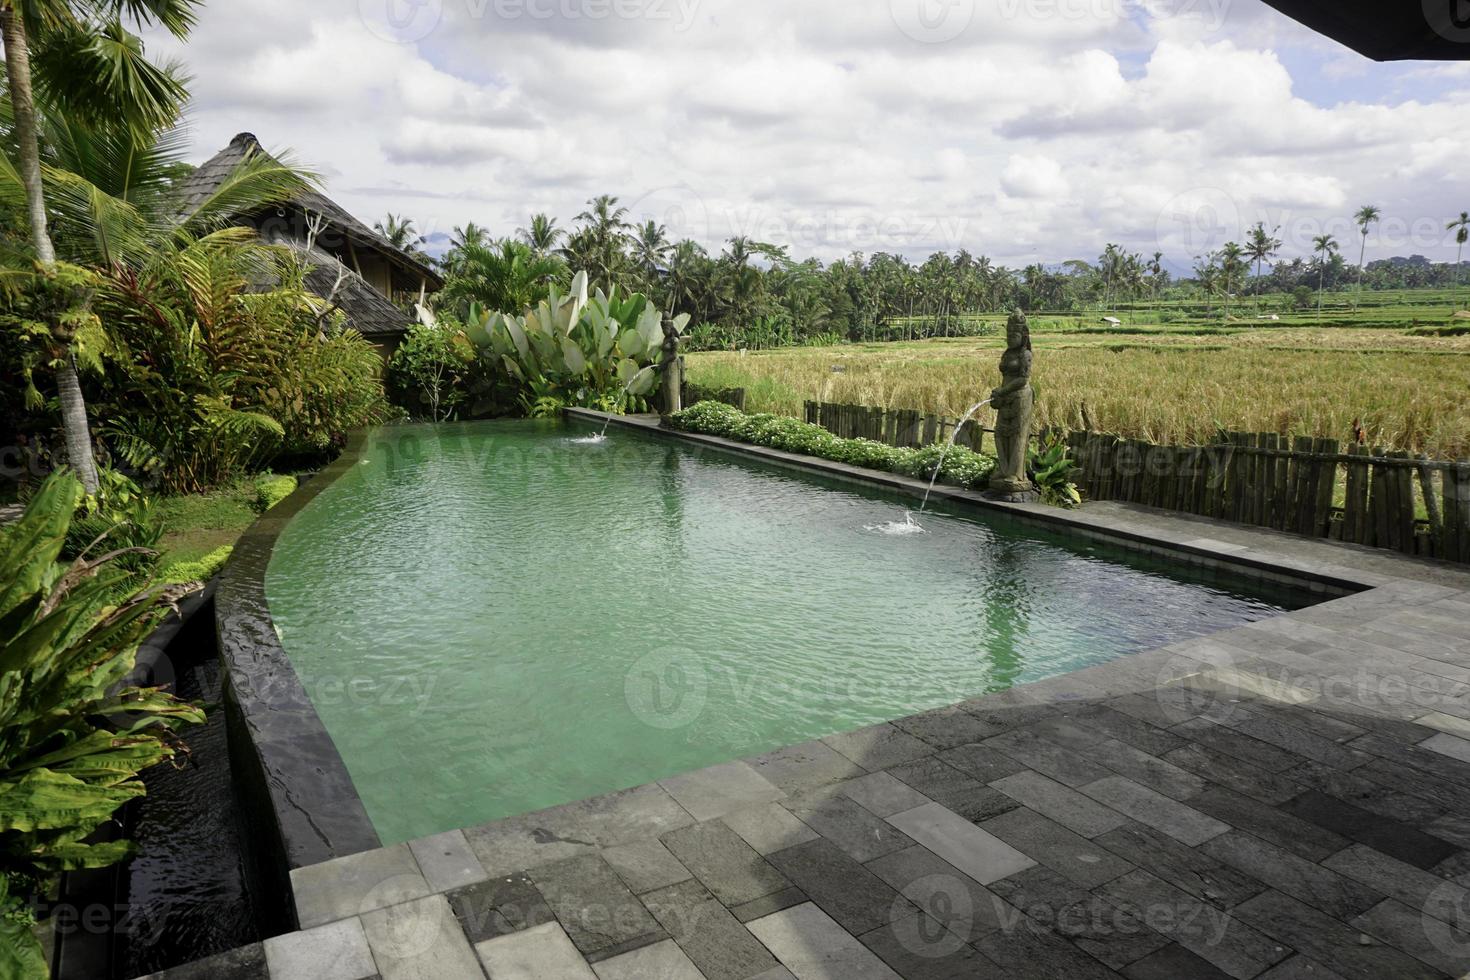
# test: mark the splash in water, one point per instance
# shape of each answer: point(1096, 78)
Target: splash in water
point(899, 528)
point(592, 440)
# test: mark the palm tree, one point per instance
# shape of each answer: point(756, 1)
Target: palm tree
point(1207, 273)
point(1261, 247)
point(606, 228)
point(651, 251)
point(1461, 236)
point(1367, 215)
point(91, 67)
point(1323, 246)
point(1231, 262)
point(470, 234)
point(504, 277)
point(542, 235)
point(399, 232)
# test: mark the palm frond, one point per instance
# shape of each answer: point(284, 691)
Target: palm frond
point(257, 182)
point(100, 228)
point(97, 73)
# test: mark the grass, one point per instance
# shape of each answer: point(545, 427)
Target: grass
point(200, 528)
point(1167, 382)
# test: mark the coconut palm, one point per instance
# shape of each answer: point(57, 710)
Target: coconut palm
point(1323, 246)
point(398, 231)
point(603, 236)
point(1261, 246)
point(505, 276)
point(80, 58)
point(1461, 236)
point(651, 251)
point(542, 235)
point(1366, 216)
point(1231, 264)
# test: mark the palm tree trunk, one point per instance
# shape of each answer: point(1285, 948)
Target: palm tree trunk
point(23, 106)
point(1362, 254)
point(1321, 279)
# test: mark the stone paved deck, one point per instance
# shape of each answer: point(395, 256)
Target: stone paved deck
point(1286, 800)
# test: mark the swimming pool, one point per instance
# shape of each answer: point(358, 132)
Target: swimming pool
point(491, 618)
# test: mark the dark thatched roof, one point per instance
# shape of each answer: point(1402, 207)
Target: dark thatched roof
point(208, 177)
point(366, 309)
point(1386, 30)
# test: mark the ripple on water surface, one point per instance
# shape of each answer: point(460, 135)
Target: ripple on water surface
point(492, 619)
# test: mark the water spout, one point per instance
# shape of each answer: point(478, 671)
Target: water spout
point(939, 466)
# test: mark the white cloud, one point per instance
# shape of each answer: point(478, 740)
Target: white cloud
point(1039, 130)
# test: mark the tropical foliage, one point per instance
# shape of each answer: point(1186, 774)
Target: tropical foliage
point(433, 370)
point(598, 352)
point(74, 736)
point(961, 466)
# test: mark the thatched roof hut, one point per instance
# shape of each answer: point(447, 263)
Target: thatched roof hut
point(329, 239)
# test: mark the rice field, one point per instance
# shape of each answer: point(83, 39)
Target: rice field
point(1150, 381)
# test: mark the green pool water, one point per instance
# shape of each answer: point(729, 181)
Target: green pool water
point(492, 618)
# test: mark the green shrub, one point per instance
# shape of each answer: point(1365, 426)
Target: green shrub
point(430, 373)
point(118, 517)
point(198, 570)
point(73, 739)
point(271, 490)
point(962, 466)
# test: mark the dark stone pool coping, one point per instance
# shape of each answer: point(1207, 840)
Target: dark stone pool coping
point(297, 787)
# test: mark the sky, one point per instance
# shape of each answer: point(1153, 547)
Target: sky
point(1025, 130)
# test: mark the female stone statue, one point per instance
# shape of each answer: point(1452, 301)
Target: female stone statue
point(1013, 402)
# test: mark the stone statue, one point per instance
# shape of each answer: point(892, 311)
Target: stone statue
point(1014, 402)
point(672, 370)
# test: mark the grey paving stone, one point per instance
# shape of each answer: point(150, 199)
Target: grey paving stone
point(1219, 937)
point(1028, 949)
point(946, 728)
point(420, 940)
point(1146, 708)
point(1125, 760)
point(1433, 763)
point(499, 906)
point(1232, 743)
point(709, 935)
point(1047, 757)
point(801, 767)
point(645, 865)
point(916, 947)
point(1449, 745)
point(1328, 941)
point(1361, 791)
point(1140, 734)
point(766, 904)
point(840, 886)
point(1114, 936)
point(881, 794)
point(1235, 774)
point(1007, 710)
point(879, 746)
point(540, 953)
point(1038, 889)
point(1392, 837)
point(1063, 804)
point(1319, 887)
point(811, 945)
point(337, 951)
point(1174, 962)
point(1053, 845)
point(948, 786)
point(1275, 731)
point(243, 963)
point(526, 842)
point(843, 822)
point(1300, 968)
point(1450, 797)
point(358, 883)
point(982, 762)
point(447, 861)
point(1433, 941)
point(1178, 820)
point(1388, 876)
point(769, 827)
point(717, 790)
point(1269, 823)
point(661, 961)
point(592, 904)
point(952, 898)
point(976, 852)
point(726, 865)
